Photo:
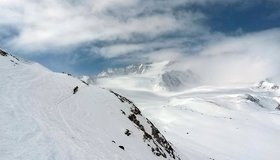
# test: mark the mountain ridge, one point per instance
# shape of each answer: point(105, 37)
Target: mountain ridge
point(42, 119)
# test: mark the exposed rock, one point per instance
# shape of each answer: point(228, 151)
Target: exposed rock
point(260, 84)
point(84, 82)
point(151, 135)
point(131, 69)
point(3, 53)
point(121, 147)
point(123, 112)
point(175, 80)
point(267, 85)
point(254, 100)
point(275, 87)
point(278, 107)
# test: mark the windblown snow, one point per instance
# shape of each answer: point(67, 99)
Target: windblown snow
point(41, 119)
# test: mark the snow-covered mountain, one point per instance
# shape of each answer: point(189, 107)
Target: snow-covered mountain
point(41, 119)
point(228, 122)
point(131, 69)
point(155, 76)
point(175, 80)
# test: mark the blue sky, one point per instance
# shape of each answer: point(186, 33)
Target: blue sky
point(88, 36)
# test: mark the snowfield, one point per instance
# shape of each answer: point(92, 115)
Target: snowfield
point(41, 119)
point(234, 122)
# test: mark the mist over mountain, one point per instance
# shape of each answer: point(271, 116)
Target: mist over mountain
point(130, 69)
point(139, 80)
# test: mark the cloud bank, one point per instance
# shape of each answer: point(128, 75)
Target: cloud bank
point(248, 58)
point(45, 24)
point(134, 31)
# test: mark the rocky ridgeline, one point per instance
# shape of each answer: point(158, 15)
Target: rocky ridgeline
point(151, 135)
point(267, 85)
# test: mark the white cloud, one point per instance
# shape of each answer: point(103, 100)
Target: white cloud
point(45, 24)
point(171, 54)
point(120, 49)
point(48, 24)
point(252, 43)
point(248, 58)
point(64, 24)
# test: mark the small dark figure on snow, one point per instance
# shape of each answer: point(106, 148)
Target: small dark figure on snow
point(75, 89)
point(127, 132)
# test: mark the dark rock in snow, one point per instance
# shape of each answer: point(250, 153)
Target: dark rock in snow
point(278, 107)
point(275, 87)
point(123, 112)
point(151, 135)
point(84, 82)
point(131, 69)
point(254, 100)
point(3, 53)
point(121, 147)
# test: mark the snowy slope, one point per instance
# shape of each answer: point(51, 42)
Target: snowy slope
point(234, 122)
point(41, 119)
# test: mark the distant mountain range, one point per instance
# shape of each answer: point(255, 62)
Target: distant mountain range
point(161, 76)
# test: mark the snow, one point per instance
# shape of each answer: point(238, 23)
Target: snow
point(131, 69)
point(157, 76)
point(176, 80)
point(41, 119)
point(238, 121)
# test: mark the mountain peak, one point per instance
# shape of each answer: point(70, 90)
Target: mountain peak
point(128, 70)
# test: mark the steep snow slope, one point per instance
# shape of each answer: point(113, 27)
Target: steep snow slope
point(41, 119)
point(237, 122)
